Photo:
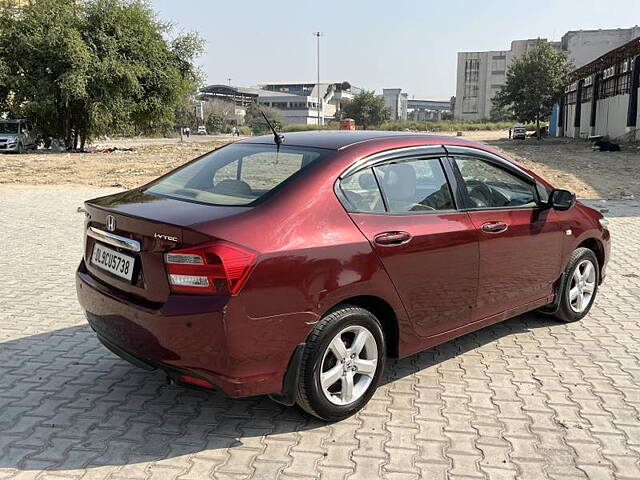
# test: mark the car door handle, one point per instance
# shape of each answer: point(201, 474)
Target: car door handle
point(494, 227)
point(390, 239)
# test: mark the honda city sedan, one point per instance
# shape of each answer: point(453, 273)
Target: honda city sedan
point(295, 266)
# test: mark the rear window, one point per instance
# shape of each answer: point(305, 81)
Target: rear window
point(238, 174)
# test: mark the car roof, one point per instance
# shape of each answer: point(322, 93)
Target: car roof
point(339, 139)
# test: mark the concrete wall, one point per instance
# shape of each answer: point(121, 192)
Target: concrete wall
point(585, 117)
point(585, 46)
point(611, 116)
point(569, 129)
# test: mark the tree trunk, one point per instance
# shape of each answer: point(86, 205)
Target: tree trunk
point(83, 139)
point(538, 126)
point(75, 139)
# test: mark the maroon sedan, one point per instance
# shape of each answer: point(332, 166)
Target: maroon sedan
point(294, 268)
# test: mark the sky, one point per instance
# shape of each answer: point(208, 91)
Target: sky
point(373, 44)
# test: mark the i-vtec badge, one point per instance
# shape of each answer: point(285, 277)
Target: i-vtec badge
point(161, 236)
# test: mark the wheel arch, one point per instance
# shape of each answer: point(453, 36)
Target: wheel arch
point(597, 248)
point(383, 311)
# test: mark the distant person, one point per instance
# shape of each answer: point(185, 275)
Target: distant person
point(233, 131)
point(187, 132)
point(509, 134)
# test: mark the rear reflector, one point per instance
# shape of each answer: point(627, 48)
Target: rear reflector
point(195, 381)
point(212, 268)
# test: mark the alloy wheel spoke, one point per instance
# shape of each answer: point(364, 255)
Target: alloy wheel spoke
point(587, 271)
point(359, 342)
point(589, 287)
point(577, 277)
point(338, 348)
point(574, 293)
point(331, 376)
point(365, 367)
point(346, 395)
point(579, 300)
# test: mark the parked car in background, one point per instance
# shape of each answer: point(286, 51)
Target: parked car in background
point(17, 136)
point(519, 132)
point(295, 266)
point(202, 130)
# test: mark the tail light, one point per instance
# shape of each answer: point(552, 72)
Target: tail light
point(213, 268)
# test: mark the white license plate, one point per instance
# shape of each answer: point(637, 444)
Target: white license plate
point(112, 261)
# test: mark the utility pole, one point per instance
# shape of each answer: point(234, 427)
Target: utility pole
point(318, 35)
point(229, 80)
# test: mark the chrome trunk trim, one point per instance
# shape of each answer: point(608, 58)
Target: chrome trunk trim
point(113, 239)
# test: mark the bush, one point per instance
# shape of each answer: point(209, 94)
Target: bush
point(306, 127)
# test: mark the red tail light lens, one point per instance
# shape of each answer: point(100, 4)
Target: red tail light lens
point(213, 268)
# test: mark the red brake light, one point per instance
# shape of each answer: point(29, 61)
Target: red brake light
point(212, 268)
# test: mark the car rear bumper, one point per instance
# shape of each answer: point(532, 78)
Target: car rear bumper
point(206, 337)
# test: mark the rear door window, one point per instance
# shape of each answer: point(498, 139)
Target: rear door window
point(238, 174)
point(418, 185)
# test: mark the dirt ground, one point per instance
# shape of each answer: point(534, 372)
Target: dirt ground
point(565, 163)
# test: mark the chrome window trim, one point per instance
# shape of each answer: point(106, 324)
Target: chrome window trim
point(393, 153)
point(113, 239)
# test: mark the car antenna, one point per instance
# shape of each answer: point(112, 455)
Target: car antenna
point(277, 137)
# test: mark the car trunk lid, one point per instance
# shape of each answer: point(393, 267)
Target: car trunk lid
point(156, 224)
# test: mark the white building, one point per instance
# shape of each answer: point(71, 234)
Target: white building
point(301, 106)
point(297, 102)
point(480, 75)
point(396, 100)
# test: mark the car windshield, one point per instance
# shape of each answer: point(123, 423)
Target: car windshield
point(8, 127)
point(237, 174)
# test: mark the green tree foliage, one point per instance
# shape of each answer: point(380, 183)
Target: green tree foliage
point(366, 109)
point(254, 119)
point(81, 69)
point(534, 83)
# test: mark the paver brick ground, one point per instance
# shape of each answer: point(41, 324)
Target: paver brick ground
point(529, 398)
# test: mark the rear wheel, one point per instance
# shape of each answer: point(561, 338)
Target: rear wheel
point(580, 286)
point(342, 364)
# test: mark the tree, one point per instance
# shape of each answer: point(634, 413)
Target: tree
point(534, 83)
point(254, 119)
point(82, 69)
point(366, 109)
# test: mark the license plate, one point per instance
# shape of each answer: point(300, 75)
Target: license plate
point(112, 261)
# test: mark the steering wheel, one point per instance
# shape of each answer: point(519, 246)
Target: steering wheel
point(481, 195)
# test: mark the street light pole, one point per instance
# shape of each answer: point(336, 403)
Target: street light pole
point(318, 35)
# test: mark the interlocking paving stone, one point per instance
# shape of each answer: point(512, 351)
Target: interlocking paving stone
point(529, 398)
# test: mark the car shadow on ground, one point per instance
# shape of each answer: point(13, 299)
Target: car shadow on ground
point(68, 403)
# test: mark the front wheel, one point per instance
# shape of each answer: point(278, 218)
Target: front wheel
point(580, 285)
point(342, 363)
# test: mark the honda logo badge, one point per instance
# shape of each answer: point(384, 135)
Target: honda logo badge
point(111, 223)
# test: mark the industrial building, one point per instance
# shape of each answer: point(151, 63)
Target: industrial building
point(480, 75)
point(602, 98)
point(297, 102)
point(420, 110)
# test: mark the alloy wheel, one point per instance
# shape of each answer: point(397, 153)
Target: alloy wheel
point(348, 365)
point(583, 284)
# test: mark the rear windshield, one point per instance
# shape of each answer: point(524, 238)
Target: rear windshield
point(238, 174)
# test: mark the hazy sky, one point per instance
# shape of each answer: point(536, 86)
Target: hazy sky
point(374, 44)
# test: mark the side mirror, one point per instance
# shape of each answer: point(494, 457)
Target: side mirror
point(561, 199)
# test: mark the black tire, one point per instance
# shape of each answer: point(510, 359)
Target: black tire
point(310, 396)
point(565, 311)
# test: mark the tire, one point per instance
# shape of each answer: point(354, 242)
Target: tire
point(580, 286)
point(341, 326)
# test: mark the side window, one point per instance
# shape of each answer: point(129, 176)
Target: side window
point(489, 186)
point(416, 185)
point(362, 193)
